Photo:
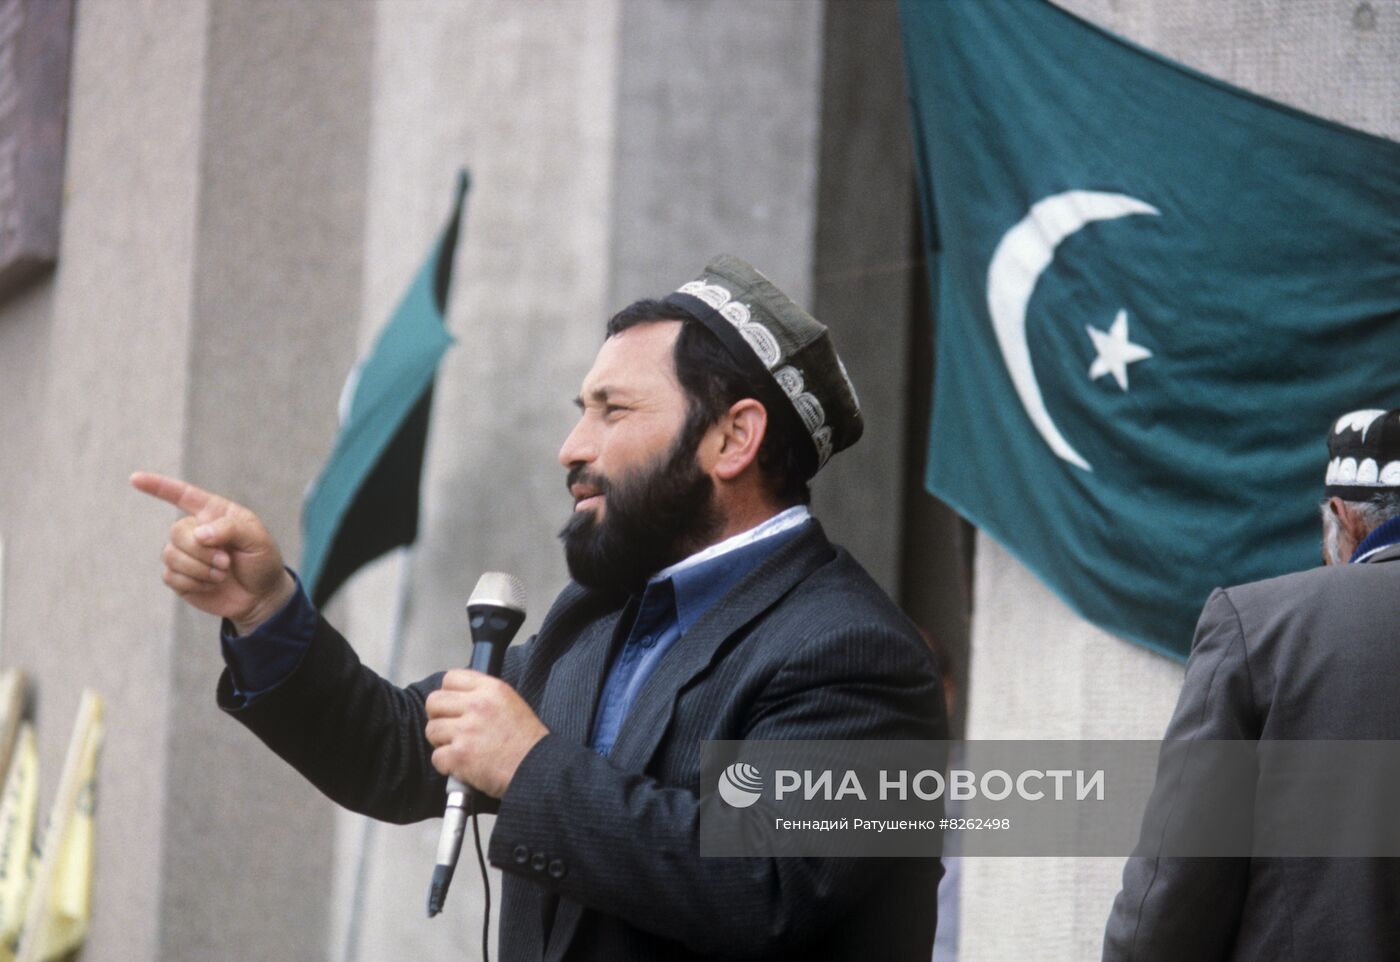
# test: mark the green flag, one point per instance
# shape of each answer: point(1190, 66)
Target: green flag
point(365, 500)
point(1154, 293)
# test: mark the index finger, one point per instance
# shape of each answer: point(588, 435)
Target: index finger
point(182, 494)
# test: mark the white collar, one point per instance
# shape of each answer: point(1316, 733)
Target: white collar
point(780, 522)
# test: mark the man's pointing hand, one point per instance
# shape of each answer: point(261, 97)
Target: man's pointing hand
point(219, 557)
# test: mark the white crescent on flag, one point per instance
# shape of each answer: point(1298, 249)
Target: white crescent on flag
point(1021, 256)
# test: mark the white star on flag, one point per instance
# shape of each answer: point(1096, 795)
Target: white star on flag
point(1115, 351)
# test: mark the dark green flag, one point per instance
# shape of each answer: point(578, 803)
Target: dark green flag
point(365, 500)
point(1154, 292)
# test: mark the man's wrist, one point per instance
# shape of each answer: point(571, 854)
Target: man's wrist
point(265, 609)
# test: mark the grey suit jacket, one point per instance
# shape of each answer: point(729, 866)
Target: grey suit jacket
point(601, 855)
point(1311, 655)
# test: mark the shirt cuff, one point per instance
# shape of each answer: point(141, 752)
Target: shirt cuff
point(261, 660)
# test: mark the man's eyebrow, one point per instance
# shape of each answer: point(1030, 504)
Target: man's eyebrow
point(598, 395)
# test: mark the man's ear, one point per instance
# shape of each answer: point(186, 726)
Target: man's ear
point(742, 430)
point(1351, 522)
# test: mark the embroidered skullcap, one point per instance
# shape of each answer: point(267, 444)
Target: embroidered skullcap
point(787, 350)
point(1364, 455)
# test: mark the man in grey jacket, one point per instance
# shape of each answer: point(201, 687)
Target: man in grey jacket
point(1310, 655)
point(706, 604)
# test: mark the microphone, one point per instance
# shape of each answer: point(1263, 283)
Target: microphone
point(495, 612)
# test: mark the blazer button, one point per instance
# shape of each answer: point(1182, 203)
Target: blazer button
point(521, 854)
point(557, 869)
point(538, 862)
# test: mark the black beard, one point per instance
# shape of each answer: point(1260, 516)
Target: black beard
point(655, 516)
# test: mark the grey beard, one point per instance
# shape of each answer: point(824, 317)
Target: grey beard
point(1331, 538)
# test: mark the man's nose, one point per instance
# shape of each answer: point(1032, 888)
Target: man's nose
point(579, 447)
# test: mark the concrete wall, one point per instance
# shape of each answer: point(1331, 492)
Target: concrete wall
point(93, 381)
point(206, 294)
point(276, 294)
point(862, 273)
point(1037, 669)
point(718, 120)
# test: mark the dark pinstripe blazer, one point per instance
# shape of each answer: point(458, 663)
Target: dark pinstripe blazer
point(601, 855)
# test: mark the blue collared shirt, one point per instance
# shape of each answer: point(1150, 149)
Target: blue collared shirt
point(669, 607)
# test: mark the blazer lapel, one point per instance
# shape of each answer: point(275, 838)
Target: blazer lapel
point(651, 714)
point(575, 679)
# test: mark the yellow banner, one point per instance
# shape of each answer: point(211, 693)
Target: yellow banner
point(19, 810)
point(61, 902)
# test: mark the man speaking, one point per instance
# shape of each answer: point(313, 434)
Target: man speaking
point(705, 603)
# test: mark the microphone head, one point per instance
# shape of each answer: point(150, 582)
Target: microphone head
point(499, 589)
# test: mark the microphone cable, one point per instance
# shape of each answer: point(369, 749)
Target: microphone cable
point(486, 887)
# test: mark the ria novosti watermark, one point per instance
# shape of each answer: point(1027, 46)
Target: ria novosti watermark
point(1218, 798)
point(741, 785)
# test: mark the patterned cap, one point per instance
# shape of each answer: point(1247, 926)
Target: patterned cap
point(789, 351)
point(1364, 452)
